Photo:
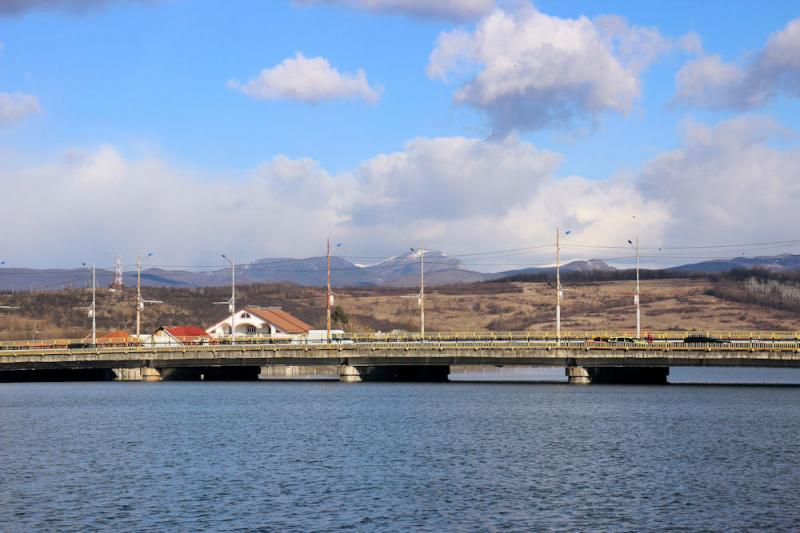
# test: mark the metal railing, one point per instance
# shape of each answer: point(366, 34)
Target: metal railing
point(506, 341)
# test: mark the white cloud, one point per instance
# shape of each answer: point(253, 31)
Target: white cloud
point(448, 178)
point(14, 106)
point(443, 9)
point(19, 7)
point(712, 83)
point(530, 70)
point(727, 183)
point(308, 80)
point(101, 201)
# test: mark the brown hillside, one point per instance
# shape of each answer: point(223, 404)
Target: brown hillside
point(670, 304)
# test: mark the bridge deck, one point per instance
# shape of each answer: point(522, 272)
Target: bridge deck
point(775, 353)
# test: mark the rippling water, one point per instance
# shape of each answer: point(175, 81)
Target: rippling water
point(397, 457)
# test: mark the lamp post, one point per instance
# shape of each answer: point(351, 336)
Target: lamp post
point(635, 245)
point(559, 291)
point(232, 302)
point(92, 308)
point(329, 296)
point(421, 296)
point(139, 300)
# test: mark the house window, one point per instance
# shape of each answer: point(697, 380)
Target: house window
point(251, 329)
point(245, 315)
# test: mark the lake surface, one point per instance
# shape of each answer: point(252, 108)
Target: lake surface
point(178, 456)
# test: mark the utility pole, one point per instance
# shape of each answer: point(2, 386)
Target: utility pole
point(558, 286)
point(232, 302)
point(93, 306)
point(635, 244)
point(421, 296)
point(329, 296)
point(139, 300)
point(422, 291)
point(638, 305)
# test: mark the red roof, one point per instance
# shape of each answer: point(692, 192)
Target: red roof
point(185, 331)
point(279, 318)
point(111, 336)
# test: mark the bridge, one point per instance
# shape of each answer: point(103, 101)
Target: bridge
point(586, 357)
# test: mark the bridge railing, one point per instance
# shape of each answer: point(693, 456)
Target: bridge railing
point(445, 341)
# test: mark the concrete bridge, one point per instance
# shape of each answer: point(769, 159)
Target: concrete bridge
point(585, 360)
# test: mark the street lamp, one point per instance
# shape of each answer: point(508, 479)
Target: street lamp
point(139, 300)
point(635, 245)
point(559, 291)
point(92, 308)
point(421, 297)
point(232, 302)
point(329, 299)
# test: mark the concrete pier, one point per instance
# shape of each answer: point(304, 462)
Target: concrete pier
point(410, 373)
point(299, 372)
point(577, 375)
point(137, 374)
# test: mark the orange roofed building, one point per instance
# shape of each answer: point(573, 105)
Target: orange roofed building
point(255, 321)
point(112, 337)
point(180, 335)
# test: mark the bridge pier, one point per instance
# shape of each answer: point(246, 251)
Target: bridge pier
point(577, 375)
point(298, 372)
point(628, 375)
point(143, 373)
point(409, 373)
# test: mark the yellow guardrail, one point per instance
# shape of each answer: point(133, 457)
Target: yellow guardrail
point(598, 335)
point(785, 344)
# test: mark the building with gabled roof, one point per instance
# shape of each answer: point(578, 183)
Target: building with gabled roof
point(257, 321)
point(180, 335)
point(111, 337)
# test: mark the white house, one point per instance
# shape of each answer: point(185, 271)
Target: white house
point(255, 321)
point(178, 335)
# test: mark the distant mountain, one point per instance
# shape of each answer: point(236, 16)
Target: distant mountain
point(591, 265)
point(407, 266)
point(777, 263)
point(400, 271)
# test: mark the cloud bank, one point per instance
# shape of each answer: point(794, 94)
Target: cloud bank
point(725, 183)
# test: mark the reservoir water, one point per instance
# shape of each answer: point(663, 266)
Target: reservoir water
point(178, 456)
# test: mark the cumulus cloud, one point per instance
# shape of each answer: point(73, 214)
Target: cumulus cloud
point(443, 9)
point(450, 193)
point(14, 106)
point(308, 80)
point(528, 70)
point(449, 178)
point(19, 7)
point(710, 82)
point(727, 183)
point(102, 201)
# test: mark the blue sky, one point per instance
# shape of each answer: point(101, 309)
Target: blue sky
point(147, 83)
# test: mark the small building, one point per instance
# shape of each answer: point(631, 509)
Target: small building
point(172, 335)
point(261, 322)
point(115, 337)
